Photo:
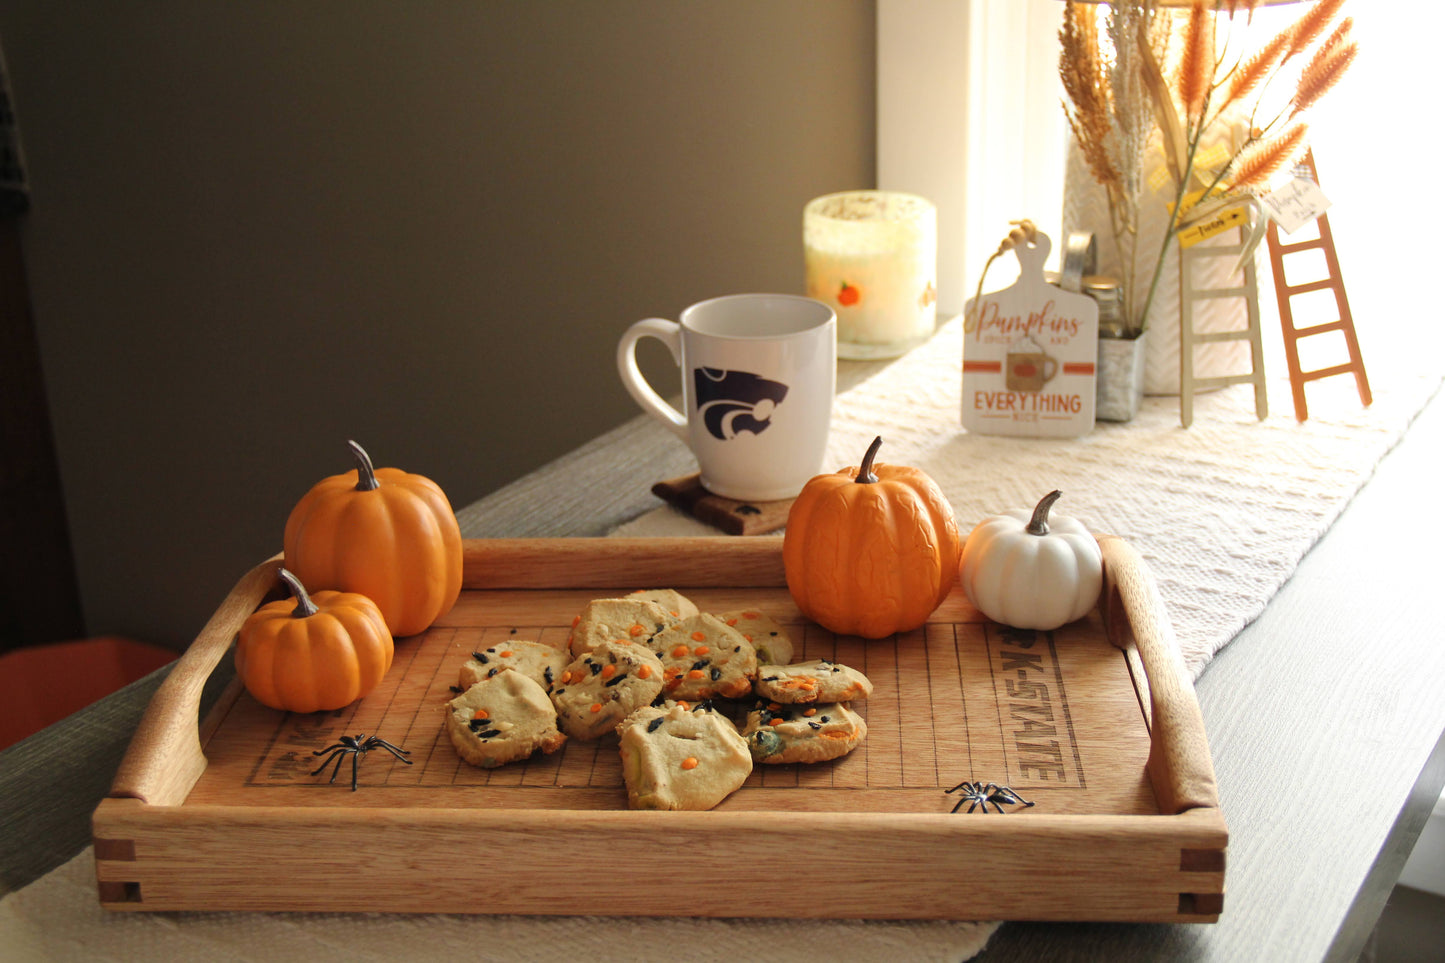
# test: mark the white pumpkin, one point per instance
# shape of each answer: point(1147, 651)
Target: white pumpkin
point(1026, 570)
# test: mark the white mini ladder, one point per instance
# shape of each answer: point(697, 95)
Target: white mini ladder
point(1189, 337)
point(1345, 324)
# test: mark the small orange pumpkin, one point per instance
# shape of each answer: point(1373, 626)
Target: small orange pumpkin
point(871, 551)
point(386, 533)
point(324, 652)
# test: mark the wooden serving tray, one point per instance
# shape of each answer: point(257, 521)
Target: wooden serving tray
point(1095, 723)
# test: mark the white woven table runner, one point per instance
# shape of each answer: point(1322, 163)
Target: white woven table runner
point(1222, 512)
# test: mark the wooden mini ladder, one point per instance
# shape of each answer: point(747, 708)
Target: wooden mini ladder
point(1283, 292)
point(1189, 337)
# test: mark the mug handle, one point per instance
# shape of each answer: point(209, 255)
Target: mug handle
point(670, 334)
point(1051, 367)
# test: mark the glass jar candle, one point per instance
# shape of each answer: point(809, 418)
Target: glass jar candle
point(872, 256)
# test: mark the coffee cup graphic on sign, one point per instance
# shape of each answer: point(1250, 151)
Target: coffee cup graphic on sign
point(1027, 367)
point(758, 377)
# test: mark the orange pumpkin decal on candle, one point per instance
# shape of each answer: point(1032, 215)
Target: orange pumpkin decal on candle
point(849, 295)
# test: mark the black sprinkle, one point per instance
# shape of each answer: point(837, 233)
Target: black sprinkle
point(596, 667)
point(770, 678)
point(716, 673)
point(455, 688)
point(614, 680)
point(547, 674)
point(700, 663)
point(492, 649)
point(823, 718)
point(492, 672)
point(652, 726)
point(814, 725)
point(488, 733)
point(479, 657)
point(737, 648)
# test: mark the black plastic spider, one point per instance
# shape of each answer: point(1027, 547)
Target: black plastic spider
point(980, 794)
point(355, 746)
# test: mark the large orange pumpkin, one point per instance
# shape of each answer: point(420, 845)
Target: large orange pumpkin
point(385, 533)
point(323, 652)
point(871, 550)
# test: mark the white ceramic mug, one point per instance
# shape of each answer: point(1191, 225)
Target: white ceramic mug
point(758, 377)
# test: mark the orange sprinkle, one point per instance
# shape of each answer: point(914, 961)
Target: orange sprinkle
point(774, 707)
point(775, 722)
point(696, 674)
point(566, 677)
point(575, 620)
point(810, 711)
point(644, 672)
point(608, 671)
point(596, 707)
point(506, 653)
point(675, 615)
point(636, 630)
point(690, 762)
point(480, 714)
point(698, 637)
point(684, 705)
point(732, 621)
point(748, 637)
point(679, 652)
point(701, 650)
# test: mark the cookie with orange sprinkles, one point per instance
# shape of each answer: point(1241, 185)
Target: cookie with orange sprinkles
point(605, 686)
point(502, 719)
point(815, 681)
point(538, 661)
point(625, 620)
point(704, 658)
point(673, 602)
point(681, 756)
point(777, 733)
point(772, 642)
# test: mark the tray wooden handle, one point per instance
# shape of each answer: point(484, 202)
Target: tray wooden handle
point(165, 758)
point(1179, 764)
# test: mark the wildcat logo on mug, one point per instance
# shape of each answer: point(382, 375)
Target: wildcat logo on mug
point(734, 401)
point(760, 397)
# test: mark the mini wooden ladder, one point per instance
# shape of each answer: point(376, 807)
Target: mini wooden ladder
point(1189, 337)
point(1325, 242)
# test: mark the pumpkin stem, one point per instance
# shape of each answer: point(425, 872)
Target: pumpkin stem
point(1039, 524)
point(365, 473)
point(865, 470)
point(305, 608)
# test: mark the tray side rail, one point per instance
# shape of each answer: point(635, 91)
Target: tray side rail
point(1180, 767)
point(907, 866)
point(165, 757)
point(678, 562)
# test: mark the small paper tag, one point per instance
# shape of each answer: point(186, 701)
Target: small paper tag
point(1217, 223)
point(1295, 204)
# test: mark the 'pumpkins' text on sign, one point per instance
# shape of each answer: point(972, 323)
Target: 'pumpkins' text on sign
point(1028, 356)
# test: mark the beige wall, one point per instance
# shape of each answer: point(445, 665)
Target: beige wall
point(259, 229)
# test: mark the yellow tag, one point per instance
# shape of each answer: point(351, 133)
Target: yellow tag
point(1216, 223)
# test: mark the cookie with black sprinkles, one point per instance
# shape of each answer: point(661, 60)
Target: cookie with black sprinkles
point(704, 658)
point(673, 602)
point(622, 620)
point(502, 719)
point(538, 661)
point(815, 681)
point(681, 756)
point(772, 642)
point(604, 686)
point(777, 733)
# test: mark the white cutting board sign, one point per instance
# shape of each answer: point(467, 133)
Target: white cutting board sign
point(1028, 356)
